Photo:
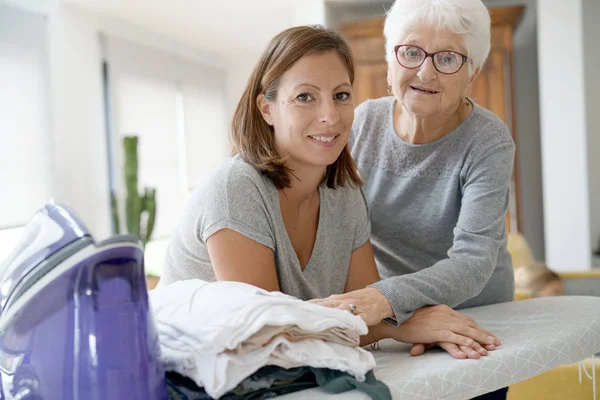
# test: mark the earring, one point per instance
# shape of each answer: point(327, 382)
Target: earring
point(389, 89)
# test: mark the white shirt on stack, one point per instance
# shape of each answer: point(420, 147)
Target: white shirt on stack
point(202, 328)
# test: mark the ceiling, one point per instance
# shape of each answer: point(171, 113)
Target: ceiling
point(244, 26)
point(224, 27)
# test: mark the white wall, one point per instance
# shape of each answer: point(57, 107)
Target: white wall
point(34, 6)
point(79, 148)
point(80, 156)
point(76, 131)
point(564, 134)
point(302, 12)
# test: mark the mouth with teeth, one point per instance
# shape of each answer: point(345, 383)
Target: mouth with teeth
point(423, 90)
point(325, 140)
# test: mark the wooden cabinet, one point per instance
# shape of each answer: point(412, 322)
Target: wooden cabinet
point(493, 88)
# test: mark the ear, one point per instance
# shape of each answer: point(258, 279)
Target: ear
point(474, 76)
point(264, 106)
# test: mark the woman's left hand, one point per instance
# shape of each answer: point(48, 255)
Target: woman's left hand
point(369, 304)
point(455, 350)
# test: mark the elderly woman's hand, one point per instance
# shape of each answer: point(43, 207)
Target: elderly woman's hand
point(440, 325)
point(369, 304)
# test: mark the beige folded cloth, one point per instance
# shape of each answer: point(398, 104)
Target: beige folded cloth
point(292, 333)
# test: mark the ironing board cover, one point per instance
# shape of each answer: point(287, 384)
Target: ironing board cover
point(536, 334)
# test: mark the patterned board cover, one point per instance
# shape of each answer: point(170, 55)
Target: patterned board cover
point(537, 335)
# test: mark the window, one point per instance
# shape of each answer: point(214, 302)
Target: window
point(25, 155)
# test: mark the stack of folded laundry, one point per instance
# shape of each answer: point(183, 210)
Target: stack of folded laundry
point(231, 340)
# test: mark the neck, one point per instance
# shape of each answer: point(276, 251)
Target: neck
point(304, 186)
point(421, 129)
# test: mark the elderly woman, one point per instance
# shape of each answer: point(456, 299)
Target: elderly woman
point(436, 166)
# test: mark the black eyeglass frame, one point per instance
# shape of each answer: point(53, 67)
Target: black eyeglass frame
point(463, 57)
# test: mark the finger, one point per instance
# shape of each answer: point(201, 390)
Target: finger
point(342, 306)
point(417, 349)
point(474, 334)
point(470, 352)
point(488, 334)
point(471, 323)
point(453, 350)
point(451, 337)
point(490, 347)
point(479, 349)
point(329, 303)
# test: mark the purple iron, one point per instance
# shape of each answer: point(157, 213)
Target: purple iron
point(75, 322)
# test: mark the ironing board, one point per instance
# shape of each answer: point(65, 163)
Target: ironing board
point(536, 334)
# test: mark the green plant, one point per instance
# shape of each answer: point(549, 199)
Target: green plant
point(140, 210)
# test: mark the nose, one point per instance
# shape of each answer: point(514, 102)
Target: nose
point(427, 71)
point(328, 112)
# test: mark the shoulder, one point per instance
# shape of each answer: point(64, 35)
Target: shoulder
point(235, 195)
point(230, 184)
point(231, 176)
point(489, 130)
point(486, 133)
point(345, 200)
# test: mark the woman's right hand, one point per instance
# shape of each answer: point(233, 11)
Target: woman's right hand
point(440, 325)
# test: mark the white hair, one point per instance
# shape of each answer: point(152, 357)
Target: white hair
point(469, 18)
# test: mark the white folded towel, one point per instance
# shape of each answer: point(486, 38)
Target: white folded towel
point(202, 325)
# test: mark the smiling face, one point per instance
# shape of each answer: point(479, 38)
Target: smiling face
point(424, 90)
point(313, 111)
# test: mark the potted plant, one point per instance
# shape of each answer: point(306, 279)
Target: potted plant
point(140, 208)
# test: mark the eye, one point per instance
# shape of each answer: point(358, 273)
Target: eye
point(449, 58)
point(342, 96)
point(304, 97)
point(412, 52)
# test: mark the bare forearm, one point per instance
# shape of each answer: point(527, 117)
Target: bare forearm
point(376, 333)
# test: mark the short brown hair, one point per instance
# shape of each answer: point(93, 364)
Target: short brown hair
point(252, 137)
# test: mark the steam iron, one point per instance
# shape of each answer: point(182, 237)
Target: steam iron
point(75, 322)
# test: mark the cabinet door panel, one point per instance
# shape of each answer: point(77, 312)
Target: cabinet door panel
point(370, 82)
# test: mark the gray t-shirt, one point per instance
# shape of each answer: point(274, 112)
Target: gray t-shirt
point(437, 210)
point(236, 196)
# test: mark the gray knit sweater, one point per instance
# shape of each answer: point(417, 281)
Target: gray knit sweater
point(437, 210)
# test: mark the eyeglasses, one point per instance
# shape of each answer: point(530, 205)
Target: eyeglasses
point(445, 62)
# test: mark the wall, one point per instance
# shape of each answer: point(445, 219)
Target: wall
point(301, 12)
point(34, 6)
point(79, 148)
point(529, 157)
point(591, 14)
point(337, 12)
point(80, 156)
point(564, 139)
